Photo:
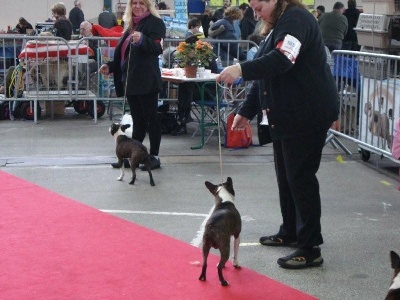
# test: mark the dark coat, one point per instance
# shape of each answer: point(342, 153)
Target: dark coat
point(300, 98)
point(352, 15)
point(144, 75)
point(227, 51)
point(62, 28)
point(76, 17)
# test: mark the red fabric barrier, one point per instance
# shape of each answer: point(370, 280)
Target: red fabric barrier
point(115, 31)
point(44, 49)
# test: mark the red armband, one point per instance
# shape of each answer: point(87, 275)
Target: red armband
point(290, 47)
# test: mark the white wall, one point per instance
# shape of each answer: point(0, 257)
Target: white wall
point(39, 10)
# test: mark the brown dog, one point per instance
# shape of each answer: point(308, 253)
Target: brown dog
point(224, 222)
point(132, 149)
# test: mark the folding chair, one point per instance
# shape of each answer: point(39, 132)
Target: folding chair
point(214, 112)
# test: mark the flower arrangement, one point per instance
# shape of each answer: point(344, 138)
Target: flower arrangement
point(198, 53)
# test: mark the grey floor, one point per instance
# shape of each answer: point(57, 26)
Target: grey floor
point(360, 201)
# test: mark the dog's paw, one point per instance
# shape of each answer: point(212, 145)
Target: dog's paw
point(202, 277)
point(236, 264)
point(152, 183)
point(120, 178)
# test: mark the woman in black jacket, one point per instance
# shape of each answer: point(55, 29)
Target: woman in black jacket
point(294, 84)
point(137, 73)
point(62, 26)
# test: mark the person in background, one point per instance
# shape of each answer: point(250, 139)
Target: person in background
point(320, 11)
point(162, 6)
point(120, 21)
point(206, 20)
point(255, 38)
point(187, 91)
point(223, 30)
point(85, 31)
point(22, 26)
point(293, 82)
point(314, 12)
point(334, 27)
point(137, 73)
point(194, 25)
point(350, 41)
point(219, 13)
point(107, 19)
point(62, 26)
point(248, 23)
point(76, 16)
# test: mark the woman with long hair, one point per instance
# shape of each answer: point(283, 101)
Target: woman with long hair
point(136, 71)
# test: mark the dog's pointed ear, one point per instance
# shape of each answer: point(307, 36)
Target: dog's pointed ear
point(395, 260)
point(229, 186)
point(125, 126)
point(211, 187)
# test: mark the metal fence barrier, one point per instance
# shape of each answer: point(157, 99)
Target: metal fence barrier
point(50, 71)
point(369, 88)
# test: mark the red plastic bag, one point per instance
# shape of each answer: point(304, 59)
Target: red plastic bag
point(237, 138)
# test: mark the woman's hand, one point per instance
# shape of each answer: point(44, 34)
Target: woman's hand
point(230, 74)
point(104, 70)
point(239, 122)
point(136, 36)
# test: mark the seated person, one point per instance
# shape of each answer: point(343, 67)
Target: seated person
point(85, 31)
point(187, 93)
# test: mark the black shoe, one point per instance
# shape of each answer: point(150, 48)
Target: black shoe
point(154, 164)
point(126, 164)
point(302, 258)
point(277, 241)
point(187, 119)
point(179, 131)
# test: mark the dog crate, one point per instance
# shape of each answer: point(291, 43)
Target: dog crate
point(384, 7)
point(378, 31)
point(372, 30)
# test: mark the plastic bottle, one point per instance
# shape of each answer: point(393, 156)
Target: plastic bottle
point(160, 62)
point(219, 63)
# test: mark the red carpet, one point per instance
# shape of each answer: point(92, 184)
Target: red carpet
point(55, 248)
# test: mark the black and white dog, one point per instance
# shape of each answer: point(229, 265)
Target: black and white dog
point(394, 290)
point(224, 222)
point(131, 149)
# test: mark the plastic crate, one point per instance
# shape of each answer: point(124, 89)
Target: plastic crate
point(384, 7)
point(369, 38)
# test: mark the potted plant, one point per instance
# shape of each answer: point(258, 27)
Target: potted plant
point(193, 53)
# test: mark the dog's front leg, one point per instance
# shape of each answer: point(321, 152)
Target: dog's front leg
point(235, 252)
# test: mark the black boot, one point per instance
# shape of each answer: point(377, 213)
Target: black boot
point(181, 129)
